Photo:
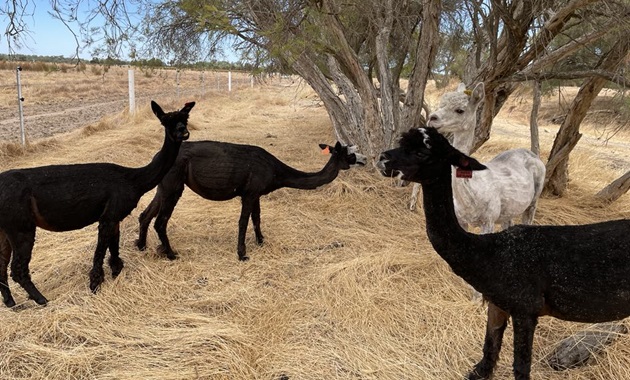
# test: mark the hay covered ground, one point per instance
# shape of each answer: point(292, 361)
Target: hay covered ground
point(346, 286)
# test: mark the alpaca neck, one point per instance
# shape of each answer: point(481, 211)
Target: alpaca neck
point(297, 179)
point(149, 176)
point(463, 141)
point(456, 246)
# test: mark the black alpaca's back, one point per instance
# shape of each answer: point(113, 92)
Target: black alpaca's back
point(67, 197)
point(221, 171)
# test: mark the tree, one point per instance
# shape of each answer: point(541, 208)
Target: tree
point(569, 133)
point(352, 53)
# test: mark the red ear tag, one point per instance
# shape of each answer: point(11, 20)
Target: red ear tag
point(463, 173)
point(326, 150)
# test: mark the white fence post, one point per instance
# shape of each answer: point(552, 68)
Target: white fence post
point(132, 94)
point(177, 80)
point(229, 81)
point(203, 83)
point(20, 100)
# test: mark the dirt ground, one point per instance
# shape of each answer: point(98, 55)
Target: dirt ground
point(58, 102)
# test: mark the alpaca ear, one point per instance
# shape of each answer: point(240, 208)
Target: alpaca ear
point(187, 107)
point(461, 87)
point(465, 162)
point(157, 110)
point(326, 149)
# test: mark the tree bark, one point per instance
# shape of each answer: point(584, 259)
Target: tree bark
point(426, 50)
point(615, 189)
point(533, 120)
point(556, 179)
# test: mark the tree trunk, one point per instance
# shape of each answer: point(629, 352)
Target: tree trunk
point(616, 189)
point(426, 50)
point(533, 120)
point(556, 179)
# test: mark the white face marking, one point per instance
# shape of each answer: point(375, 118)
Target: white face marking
point(426, 137)
point(352, 149)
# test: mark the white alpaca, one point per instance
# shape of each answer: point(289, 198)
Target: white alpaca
point(511, 185)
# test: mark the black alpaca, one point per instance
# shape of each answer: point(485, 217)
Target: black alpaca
point(69, 197)
point(220, 171)
point(577, 273)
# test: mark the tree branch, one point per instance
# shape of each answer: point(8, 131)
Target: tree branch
point(579, 74)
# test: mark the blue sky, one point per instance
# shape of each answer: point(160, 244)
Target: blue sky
point(48, 36)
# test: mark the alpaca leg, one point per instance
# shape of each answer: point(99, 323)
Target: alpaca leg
point(524, 328)
point(256, 221)
point(105, 232)
point(246, 211)
point(528, 215)
point(414, 196)
point(22, 245)
point(495, 327)
point(115, 262)
point(5, 257)
point(145, 220)
point(506, 225)
point(161, 223)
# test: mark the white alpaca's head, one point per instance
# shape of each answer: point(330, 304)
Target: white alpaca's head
point(458, 110)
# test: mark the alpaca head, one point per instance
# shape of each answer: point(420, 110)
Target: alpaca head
point(458, 110)
point(424, 154)
point(347, 155)
point(176, 122)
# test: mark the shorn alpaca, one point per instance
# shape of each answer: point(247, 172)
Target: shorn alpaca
point(70, 197)
point(221, 171)
point(509, 188)
point(577, 273)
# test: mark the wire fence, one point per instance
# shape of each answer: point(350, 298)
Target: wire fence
point(46, 103)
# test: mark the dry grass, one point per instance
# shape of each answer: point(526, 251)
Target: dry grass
point(345, 287)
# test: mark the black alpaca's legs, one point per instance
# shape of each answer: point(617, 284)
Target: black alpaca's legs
point(524, 328)
point(495, 327)
point(5, 257)
point(161, 222)
point(106, 230)
point(22, 244)
point(256, 221)
point(145, 220)
point(115, 262)
point(247, 205)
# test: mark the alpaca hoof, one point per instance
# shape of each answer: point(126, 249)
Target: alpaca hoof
point(171, 256)
point(117, 265)
point(243, 258)
point(96, 279)
point(10, 302)
point(141, 245)
point(41, 300)
point(169, 253)
point(94, 288)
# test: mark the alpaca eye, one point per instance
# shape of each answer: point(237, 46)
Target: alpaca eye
point(459, 111)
